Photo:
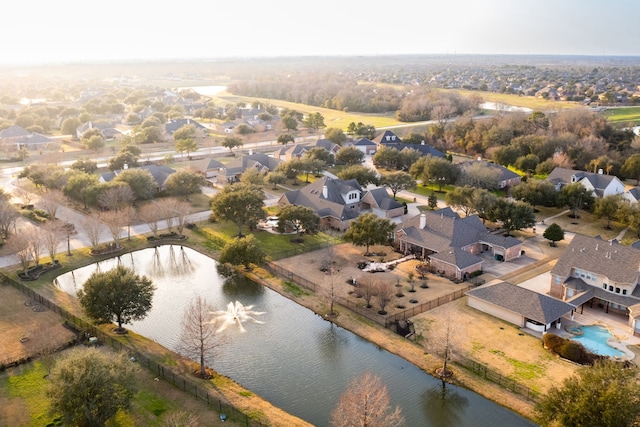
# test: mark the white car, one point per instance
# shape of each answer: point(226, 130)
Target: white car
point(271, 221)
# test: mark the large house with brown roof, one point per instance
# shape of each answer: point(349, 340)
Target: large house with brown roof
point(600, 273)
point(338, 202)
point(451, 244)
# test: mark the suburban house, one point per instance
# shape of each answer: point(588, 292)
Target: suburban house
point(365, 145)
point(159, 173)
point(231, 171)
point(387, 137)
point(632, 195)
point(296, 151)
point(506, 178)
point(338, 202)
point(107, 130)
point(34, 141)
point(13, 134)
point(520, 306)
point(175, 124)
point(390, 139)
point(602, 274)
point(452, 245)
point(601, 185)
point(208, 167)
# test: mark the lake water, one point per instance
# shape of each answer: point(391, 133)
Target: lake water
point(296, 360)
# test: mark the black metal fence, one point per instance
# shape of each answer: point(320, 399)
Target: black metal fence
point(497, 378)
point(161, 371)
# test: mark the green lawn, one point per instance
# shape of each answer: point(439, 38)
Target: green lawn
point(623, 115)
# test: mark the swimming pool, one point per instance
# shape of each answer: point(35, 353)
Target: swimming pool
point(594, 338)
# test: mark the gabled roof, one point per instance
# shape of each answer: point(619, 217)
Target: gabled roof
point(14, 131)
point(260, 161)
point(598, 181)
point(444, 230)
point(176, 124)
point(159, 173)
point(364, 142)
point(617, 262)
point(633, 193)
point(382, 199)
point(36, 138)
point(458, 257)
point(387, 137)
point(423, 149)
point(334, 205)
point(531, 305)
point(206, 164)
point(505, 174)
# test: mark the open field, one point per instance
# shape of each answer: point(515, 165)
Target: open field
point(332, 118)
point(623, 115)
point(538, 104)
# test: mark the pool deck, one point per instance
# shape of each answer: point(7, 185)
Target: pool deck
point(615, 323)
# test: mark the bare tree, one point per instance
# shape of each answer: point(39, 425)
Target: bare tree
point(199, 338)
point(366, 288)
point(444, 337)
point(116, 197)
point(8, 218)
point(42, 342)
point(52, 236)
point(366, 403)
point(114, 223)
point(128, 214)
point(18, 245)
point(50, 201)
point(384, 293)
point(150, 215)
point(26, 193)
point(93, 229)
point(167, 212)
point(181, 419)
point(181, 210)
point(34, 241)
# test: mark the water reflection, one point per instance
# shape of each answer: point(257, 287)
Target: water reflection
point(442, 405)
point(296, 360)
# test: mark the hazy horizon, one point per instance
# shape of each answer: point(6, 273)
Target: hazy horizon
point(73, 31)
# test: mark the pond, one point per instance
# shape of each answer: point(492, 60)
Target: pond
point(295, 359)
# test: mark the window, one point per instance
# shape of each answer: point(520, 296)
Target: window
point(624, 292)
point(617, 290)
point(604, 286)
point(611, 288)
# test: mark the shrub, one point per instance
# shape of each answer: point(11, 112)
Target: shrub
point(570, 350)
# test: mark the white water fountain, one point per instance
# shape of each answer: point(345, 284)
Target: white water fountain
point(235, 314)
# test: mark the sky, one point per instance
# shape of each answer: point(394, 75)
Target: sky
point(45, 31)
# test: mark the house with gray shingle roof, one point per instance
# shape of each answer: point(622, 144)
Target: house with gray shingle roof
point(451, 244)
point(159, 174)
point(338, 202)
point(13, 133)
point(522, 307)
point(600, 184)
point(600, 273)
point(505, 177)
point(231, 171)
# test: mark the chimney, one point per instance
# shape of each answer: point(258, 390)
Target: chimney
point(325, 191)
point(422, 143)
point(599, 171)
point(423, 221)
point(479, 158)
